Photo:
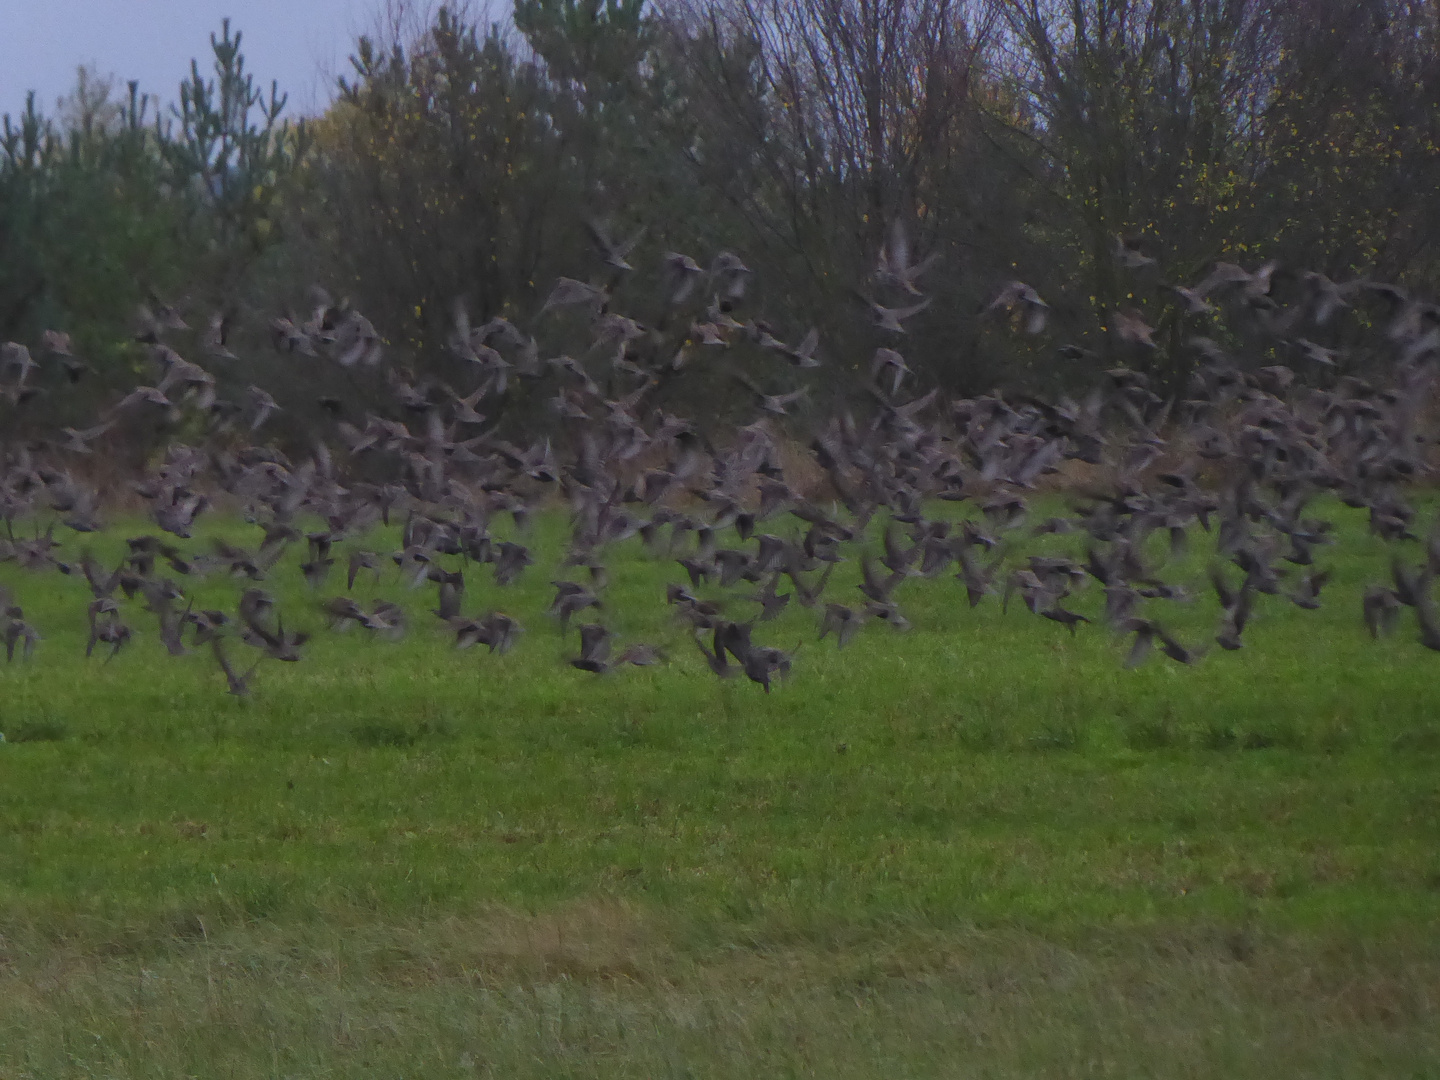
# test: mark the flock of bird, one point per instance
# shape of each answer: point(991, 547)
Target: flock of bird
point(745, 521)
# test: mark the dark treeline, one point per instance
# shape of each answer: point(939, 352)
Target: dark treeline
point(1101, 151)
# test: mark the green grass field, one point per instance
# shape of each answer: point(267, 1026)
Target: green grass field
point(981, 848)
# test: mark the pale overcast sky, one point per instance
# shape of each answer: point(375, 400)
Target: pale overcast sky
point(302, 43)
